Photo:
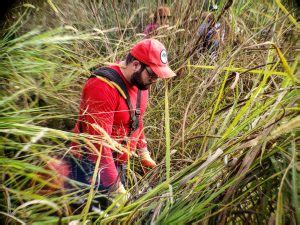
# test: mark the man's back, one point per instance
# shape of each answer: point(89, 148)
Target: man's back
point(102, 104)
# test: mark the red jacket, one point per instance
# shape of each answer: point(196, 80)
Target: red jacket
point(103, 105)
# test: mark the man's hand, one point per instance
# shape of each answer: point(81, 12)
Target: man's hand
point(119, 189)
point(146, 159)
point(120, 194)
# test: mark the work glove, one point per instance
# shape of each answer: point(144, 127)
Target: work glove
point(120, 194)
point(119, 189)
point(146, 159)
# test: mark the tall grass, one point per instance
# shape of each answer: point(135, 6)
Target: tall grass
point(225, 132)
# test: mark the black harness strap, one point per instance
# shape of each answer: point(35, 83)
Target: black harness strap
point(113, 75)
point(137, 113)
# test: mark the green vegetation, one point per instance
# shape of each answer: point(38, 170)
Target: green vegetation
point(225, 131)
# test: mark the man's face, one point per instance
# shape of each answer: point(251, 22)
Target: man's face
point(143, 78)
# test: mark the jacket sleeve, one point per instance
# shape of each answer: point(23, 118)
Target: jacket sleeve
point(99, 102)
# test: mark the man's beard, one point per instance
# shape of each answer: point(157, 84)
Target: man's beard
point(136, 79)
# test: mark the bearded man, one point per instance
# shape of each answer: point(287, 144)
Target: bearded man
point(115, 98)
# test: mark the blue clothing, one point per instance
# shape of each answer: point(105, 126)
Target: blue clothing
point(83, 170)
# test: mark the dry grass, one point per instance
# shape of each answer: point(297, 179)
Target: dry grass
point(225, 131)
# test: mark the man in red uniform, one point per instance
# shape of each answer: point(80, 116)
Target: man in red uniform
point(102, 105)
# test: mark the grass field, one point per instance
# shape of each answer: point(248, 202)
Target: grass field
point(225, 131)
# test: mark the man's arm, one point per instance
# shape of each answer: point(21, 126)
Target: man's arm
point(99, 105)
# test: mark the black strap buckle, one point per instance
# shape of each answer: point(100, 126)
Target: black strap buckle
point(137, 112)
point(134, 123)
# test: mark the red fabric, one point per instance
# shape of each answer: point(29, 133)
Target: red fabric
point(103, 105)
point(150, 28)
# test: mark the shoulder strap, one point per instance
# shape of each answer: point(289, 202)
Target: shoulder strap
point(112, 76)
point(137, 113)
point(118, 82)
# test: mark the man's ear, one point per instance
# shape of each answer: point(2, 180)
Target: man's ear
point(136, 65)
